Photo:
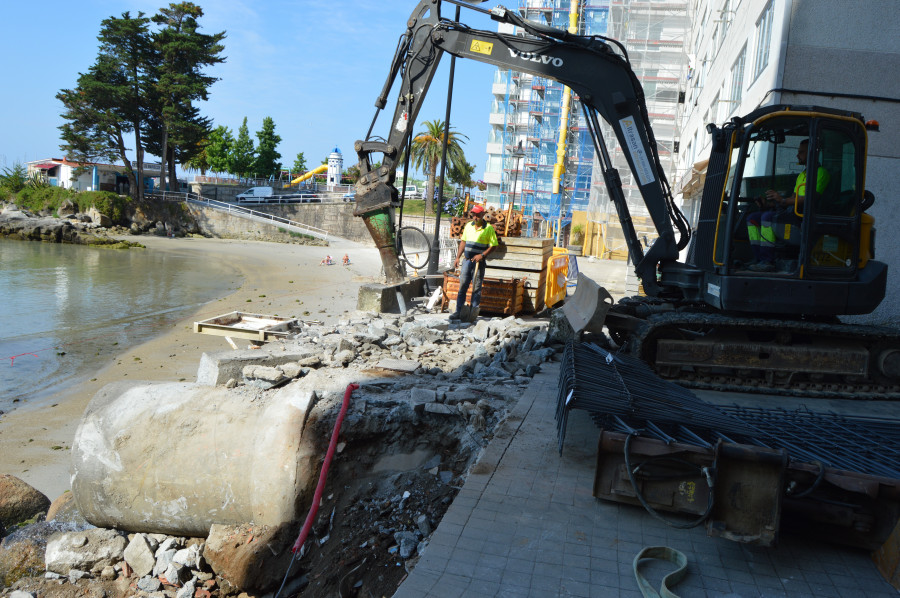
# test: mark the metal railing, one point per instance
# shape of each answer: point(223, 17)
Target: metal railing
point(243, 212)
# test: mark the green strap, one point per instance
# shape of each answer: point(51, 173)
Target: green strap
point(667, 554)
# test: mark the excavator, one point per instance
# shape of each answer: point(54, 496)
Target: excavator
point(713, 319)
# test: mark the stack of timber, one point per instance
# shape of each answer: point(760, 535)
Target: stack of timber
point(507, 223)
point(523, 259)
point(498, 295)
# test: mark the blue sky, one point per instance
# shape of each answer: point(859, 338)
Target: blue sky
point(314, 67)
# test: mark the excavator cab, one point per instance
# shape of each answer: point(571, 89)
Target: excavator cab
point(786, 215)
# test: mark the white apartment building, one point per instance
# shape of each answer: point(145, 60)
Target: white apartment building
point(832, 53)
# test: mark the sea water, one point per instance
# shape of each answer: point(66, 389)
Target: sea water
point(65, 310)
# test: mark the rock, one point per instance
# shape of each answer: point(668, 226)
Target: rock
point(76, 574)
point(84, 550)
point(187, 591)
point(176, 574)
point(344, 357)
point(21, 555)
point(149, 584)
point(423, 524)
point(67, 208)
point(99, 218)
point(292, 370)
point(139, 556)
point(440, 409)
point(19, 501)
point(419, 397)
point(164, 558)
point(108, 573)
point(20, 594)
point(189, 557)
point(407, 542)
point(65, 510)
point(249, 558)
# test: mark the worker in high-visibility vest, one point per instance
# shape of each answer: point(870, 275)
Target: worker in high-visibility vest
point(477, 242)
point(761, 226)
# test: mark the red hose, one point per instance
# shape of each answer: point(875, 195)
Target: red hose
point(317, 498)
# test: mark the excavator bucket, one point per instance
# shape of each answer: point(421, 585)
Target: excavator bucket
point(586, 308)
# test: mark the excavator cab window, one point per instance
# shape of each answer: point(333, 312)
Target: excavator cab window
point(814, 227)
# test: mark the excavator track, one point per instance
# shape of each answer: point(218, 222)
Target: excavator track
point(763, 355)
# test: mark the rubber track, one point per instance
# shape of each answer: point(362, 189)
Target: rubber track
point(869, 335)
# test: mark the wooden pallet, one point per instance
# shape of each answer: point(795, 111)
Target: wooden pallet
point(498, 296)
point(524, 259)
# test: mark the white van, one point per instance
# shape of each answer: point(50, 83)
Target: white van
point(412, 192)
point(255, 194)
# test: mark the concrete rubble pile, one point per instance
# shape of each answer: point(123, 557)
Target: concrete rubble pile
point(413, 371)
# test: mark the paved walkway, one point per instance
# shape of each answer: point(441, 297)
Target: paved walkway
point(526, 524)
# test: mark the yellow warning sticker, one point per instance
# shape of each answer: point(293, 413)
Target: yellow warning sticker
point(481, 47)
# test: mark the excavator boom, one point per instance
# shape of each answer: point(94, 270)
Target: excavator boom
point(590, 66)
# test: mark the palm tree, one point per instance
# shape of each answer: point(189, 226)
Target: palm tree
point(426, 155)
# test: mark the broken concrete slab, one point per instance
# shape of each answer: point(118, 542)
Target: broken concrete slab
point(216, 368)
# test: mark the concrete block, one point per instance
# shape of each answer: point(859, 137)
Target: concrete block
point(217, 368)
point(382, 298)
point(139, 556)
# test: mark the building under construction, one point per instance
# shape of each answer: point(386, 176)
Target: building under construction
point(540, 155)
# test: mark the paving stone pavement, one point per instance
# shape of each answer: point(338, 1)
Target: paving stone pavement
point(526, 524)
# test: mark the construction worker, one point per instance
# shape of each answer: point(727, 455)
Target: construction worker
point(761, 225)
point(477, 242)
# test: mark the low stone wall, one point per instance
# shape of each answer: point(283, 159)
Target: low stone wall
point(336, 218)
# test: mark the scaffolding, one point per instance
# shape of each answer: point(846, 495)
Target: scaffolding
point(655, 34)
point(526, 122)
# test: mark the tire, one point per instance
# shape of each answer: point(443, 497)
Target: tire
point(414, 246)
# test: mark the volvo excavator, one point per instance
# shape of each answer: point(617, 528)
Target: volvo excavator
point(711, 320)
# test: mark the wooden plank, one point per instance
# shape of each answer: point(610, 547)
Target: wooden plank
point(532, 277)
point(533, 265)
point(503, 249)
point(527, 242)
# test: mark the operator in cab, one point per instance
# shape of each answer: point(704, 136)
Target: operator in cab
point(477, 242)
point(761, 225)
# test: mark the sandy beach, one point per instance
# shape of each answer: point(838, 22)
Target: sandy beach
point(278, 279)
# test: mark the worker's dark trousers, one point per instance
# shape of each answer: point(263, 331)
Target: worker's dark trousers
point(467, 271)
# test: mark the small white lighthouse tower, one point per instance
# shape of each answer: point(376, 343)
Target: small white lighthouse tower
point(335, 168)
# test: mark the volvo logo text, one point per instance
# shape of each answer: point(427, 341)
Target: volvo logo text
point(535, 57)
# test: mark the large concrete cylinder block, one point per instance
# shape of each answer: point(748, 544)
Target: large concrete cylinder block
point(175, 458)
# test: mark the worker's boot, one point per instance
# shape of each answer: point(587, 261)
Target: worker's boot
point(473, 313)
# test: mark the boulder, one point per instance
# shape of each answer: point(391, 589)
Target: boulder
point(249, 558)
point(67, 208)
point(98, 218)
point(65, 510)
point(86, 551)
point(21, 555)
point(19, 502)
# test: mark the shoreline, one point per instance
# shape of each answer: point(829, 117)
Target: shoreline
point(277, 279)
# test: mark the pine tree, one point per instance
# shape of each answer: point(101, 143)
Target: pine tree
point(180, 53)
point(109, 100)
point(266, 163)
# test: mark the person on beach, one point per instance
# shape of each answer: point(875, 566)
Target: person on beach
point(346, 260)
point(327, 261)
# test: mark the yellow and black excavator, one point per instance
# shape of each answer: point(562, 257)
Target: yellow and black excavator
point(716, 319)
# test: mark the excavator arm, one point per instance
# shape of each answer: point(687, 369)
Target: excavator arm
point(602, 78)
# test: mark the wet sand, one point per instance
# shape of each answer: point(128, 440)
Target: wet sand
point(278, 279)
